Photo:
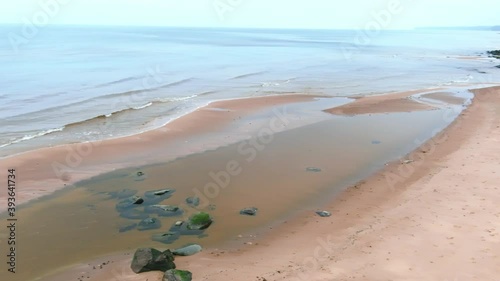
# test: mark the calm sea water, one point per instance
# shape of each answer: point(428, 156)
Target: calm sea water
point(65, 83)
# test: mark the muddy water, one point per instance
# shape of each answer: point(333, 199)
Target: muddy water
point(80, 222)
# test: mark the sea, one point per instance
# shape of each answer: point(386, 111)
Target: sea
point(64, 83)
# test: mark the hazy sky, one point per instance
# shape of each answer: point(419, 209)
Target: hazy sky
point(256, 13)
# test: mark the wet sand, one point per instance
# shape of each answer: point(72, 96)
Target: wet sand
point(398, 102)
point(46, 170)
point(419, 220)
point(278, 171)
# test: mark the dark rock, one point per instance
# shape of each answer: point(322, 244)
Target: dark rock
point(139, 176)
point(193, 201)
point(149, 259)
point(495, 54)
point(177, 275)
point(156, 196)
point(149, 223)
point(163, 210)
point(134, 214)
point(130, 202)
point(249, 211)
point(323, 214)
point(166, 237)
point(313, 169)
point(127, 227)
point(498, 66)
point(199, 221)
point(160, 192)
point(187, 250)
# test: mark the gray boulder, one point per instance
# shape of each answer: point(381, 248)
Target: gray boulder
point(249, 211)
point(149, 259)
point(188, 250)
point(323, 214)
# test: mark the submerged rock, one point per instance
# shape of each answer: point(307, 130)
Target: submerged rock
point(199, 221)
point(156, 196)
point(166, 237)
point(149, 223)
point(127, 227)
point(323, 214)
point(149, 259)
point(177, 275)
point(163, 210)
point(313, 169)
point(139, 176)
point(160, 192)
point(124, 193)
point(193, 201)
point(187, 250)
point(130, 202)
point(376, 142)
point(134, 214)
point(252, 211)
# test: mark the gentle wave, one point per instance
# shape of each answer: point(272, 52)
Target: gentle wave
point(29, 137)
point(248, 75)
point(99, 118)
point(114, 96)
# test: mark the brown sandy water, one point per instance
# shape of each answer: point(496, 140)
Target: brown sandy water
point(80, 223)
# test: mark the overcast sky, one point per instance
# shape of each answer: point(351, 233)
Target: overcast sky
point(257, 13)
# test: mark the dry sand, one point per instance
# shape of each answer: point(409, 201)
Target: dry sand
point(436, 218)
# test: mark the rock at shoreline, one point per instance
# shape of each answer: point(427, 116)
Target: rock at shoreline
point(193, 201)
point(495, 53)
point(166, 238)
point(323, 214)
point(130, 202)
point(163, 210)
point(188, 250)
point(177, 275)
point(252, 211)
point(313, 169)
point(199, 221)
point(149, 259)
point(148, 224)
point(134, 214)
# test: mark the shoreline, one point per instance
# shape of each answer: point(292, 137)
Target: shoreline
point(64, 165)
point(358, 214)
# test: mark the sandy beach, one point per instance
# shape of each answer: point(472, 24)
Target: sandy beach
point(420, 218)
